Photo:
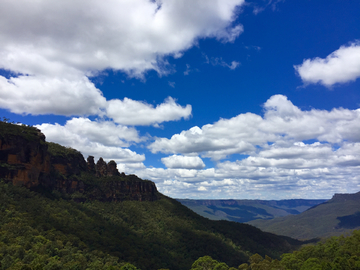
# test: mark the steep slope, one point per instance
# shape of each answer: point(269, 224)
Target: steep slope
point(53, 203)
point(149, 234)
point(335, 217)
point(247, 210)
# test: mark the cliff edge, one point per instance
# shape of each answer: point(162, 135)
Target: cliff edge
point(26, 159)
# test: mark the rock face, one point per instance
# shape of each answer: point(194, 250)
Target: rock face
point(27, 160)
point(24, 160)
point(345, 197)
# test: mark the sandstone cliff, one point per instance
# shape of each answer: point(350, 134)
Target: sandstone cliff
point(27, 159)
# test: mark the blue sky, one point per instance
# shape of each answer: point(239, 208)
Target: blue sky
point(218, 99)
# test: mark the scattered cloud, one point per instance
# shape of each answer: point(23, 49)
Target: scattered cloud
point(218, 61)
point(171, 84)
point(50, 50)
point(252, 47)
point(282, 123)
point(341, 66)
point(54, 47)
point(277, 156)
point(183, 162)
point(131, 112)
point(51, 95)
point(284, 150)
point(189, 69)
point(270, 3)
point(314, 171)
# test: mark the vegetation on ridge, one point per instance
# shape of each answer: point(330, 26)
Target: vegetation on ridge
point(39, 231)
point(340, 253)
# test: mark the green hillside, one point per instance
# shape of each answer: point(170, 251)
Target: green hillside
point(340, 253)
point(247, 210)
point(337, 216)
point(39, 230)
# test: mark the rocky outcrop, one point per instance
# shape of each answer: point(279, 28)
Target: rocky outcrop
point(27, 160)
point(112, 169)
point(24, 160)
point(133, 189)
point(342, 197)
point(91, 164)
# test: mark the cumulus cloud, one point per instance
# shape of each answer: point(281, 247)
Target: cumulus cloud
point(341, 66)
point(50, 95)
point(126, 35)
point(53, 47)
point(277, 157)
point(186, 162)
point(131, 112)
point(315, 152)
point(99, 139)
point(282, 123)
point(299, 170)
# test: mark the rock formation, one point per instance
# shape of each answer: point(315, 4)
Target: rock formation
point(27, 160)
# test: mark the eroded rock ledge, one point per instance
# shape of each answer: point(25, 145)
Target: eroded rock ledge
point(26, 159)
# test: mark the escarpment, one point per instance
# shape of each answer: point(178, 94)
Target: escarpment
point(26, 159)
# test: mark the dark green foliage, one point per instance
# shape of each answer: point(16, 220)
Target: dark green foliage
point(9, 130)
point(340, 253)
point(205, 263)
point(57, 150)
point(53, 233)
point(336, 253)
point(208, 263)
point(29, 238)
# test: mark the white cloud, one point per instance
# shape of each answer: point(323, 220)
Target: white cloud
point(218, 61)
point(283, 123)
point(54, 46)
point(314, 170)
point(126, 35)
point(50, 95)
point(341, 66)
point(131, 112)
point(171, 84)
point(270, 3)
point(99, 139)
point(188, 70)
point(277, 156)
point(186, 162)
point(277, 159)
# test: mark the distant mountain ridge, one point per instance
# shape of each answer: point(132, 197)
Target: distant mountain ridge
point(247, 210)
point(339, 215)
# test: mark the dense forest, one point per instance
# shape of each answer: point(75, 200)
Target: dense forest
point(49, 232)
point(340, 253)
point(53, 232)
